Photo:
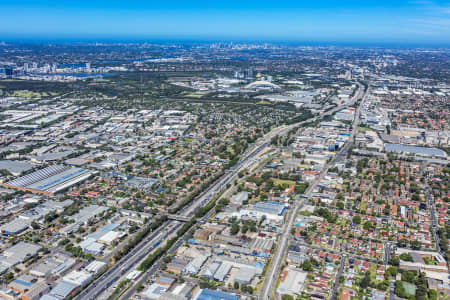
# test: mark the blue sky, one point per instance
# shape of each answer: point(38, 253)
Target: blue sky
point(362, 21)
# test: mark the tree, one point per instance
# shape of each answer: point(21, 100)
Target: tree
point(416, 245)
point(356, 220)
point(409, 276)
point(422, 290)
point(383, 285)
point(400, 290)
point(365, 282)
point(287, 297)
point(406, 257)
point(234, 229)
point(307, 266)
point(392, 271)
point(236, 285)
point(395, 261)
point(421, 293)
point(35, 225)
point(367, 225)
point(432, 294)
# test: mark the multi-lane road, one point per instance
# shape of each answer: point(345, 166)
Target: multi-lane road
point(127, 263)
point(274, 268)
point(131, 260)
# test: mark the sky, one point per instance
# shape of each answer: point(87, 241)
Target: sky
point(330, 21)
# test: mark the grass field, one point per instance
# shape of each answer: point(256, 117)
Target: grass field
point(373, 272)
point(194, 95)
point(410, 289)
point(263, 102)
point(363, 206)
point(230, 149)
point(31, 94)
point(277, 181)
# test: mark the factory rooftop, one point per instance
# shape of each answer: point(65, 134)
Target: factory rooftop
point(50, 180)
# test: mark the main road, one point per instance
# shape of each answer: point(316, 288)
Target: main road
point(274, 268)
point(434, 224)
point(131, 260)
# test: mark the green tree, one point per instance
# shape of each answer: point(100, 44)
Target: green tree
point(416, 245)
point(399, 289)
point(234, 229)
point(432, 294)
point(395, 261)
point(356, 219)
point(365, 282)
point(409, 276)
point(392, 271)
point(307, 266)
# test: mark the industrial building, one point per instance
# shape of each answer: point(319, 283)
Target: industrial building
point(18, 253)
point(14, 227)
point(214, 295)
point(50, 180)
point(270, 207)
point(15, 167)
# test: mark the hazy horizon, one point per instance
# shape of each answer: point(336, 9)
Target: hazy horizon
point(421, 23)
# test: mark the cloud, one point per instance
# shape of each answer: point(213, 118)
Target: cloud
point(431, 6)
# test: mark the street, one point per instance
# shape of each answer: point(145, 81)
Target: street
point(274, 269)
point(145, 247)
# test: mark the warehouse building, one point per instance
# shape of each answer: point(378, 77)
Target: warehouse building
point(14, 227)
point(90, 245)
point(18, 253)
point(15, 167)
point(240, 197)
point(214, 295)
point(36, 291)
point(95, 267)
point(142, 183)
point(50, 180)
point(270, 207)
point(196, 264)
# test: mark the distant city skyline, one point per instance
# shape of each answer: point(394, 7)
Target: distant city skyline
point(419, 22)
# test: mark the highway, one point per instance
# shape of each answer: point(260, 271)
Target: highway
point(127, 263)
point(130, 261)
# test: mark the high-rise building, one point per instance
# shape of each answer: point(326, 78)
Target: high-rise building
point(9, 71)
point(250, 73)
